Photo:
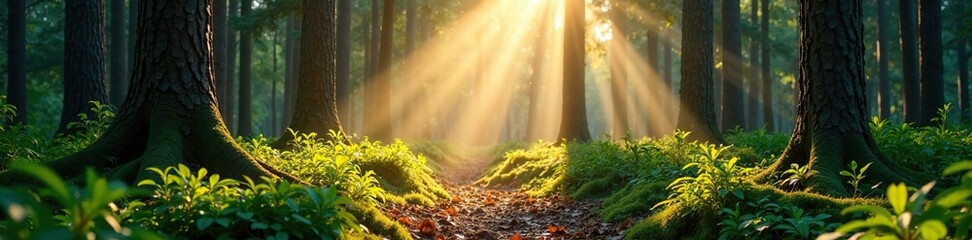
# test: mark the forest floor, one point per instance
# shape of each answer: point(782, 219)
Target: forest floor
point(475, 212)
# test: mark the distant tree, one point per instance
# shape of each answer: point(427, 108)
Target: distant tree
point(245, 115)
point(767, 46)
point(171, 118)
point(831, 128)
point(965, 114)
point(344, 13)
point(84, 60)
point(119, 53)
point(930, 54)
point(619, 81)
point(378, 123)
point(733, 108)
point(909, 60)
point(292, 56)
point(753, 76)
point(697, 112)
point(132, 27)
point(884, 84)
point(315, 108)
point(220, 37)
point(538, 78)
point(17, 59)
point(228, 108)
point(573, 122)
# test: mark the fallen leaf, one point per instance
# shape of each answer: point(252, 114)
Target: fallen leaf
point(489, 201)
point(427, 227)
point(456, 199)
point(516, 237)
point(451, 211)
point(405, 220)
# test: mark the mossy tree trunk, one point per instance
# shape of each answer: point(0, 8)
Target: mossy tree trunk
point(697, 113)
point(316, 103)
point(170, 114)
point(831, 126)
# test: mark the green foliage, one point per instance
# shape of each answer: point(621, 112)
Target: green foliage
point(31, 144)
point(710, 179)
point(928, 149)
point(854, 176)
point(796, 176)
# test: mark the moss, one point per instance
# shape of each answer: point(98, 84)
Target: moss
point(597, 188)
point(378, 224)
point(633, 200)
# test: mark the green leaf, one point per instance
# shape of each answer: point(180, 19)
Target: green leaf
point(259, 226)
point(932, 229)
point(958, 167)
point(846, 173)
point(898, 197)
point(225, 222)
point(876, 210)
point(245, 215)
point(54, 182)
point(204, 223)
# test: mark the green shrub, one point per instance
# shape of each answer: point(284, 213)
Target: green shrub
point(710, 179)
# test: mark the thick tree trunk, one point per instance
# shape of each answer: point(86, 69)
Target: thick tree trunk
point(697, 113)
point(17, 59)
point(754, 106)
point(766, 70)
point(573, 122)
point(379, 124)
point(733, 109)
point(909, 60)
point(831, 125)
point(930, 54)
point(316, 103)
point(169, 115)
point(229, 107)
point(119, 53)
point(619, 67)
point(219, 52)
point(884, 84)
point(344, 104)
point(245, 115)
point(84, 60)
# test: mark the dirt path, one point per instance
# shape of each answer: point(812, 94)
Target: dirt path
point(479, 213)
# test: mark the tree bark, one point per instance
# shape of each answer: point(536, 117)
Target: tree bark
point(962, 64)
point(229, 107)
point(619, 67)
point(754, 106)
point(930, 49)
point(697, 112)
point(884, 84)
point(245, 115)
point(573, 122)
point(379, 124)
point(119, 53)
point(290, 70)
point(132, 32)
point(84, 60)
point(732, 95)
point(766, 70)
point(831, 125)
point(909, 60)
point(219, 53)
point(316, 103)
point(17, 59)
point(169, 115)
point(344, 104)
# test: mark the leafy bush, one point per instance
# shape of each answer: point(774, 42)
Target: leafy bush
point(710, 179)
point(30, 143)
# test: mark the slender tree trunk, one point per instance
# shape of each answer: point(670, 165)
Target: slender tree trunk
point(219, 53)
point(754, 81)
point(119, 53)
point(732, 97)
point(132, 32)
point(375, 38)
point(619, 80)
point(166, 119)
point(229, 107)
point(671, 104)
point(930, 50)
point(538, 79)
point(344, 103)
point(573, 122)
point(962, 65)
point(274, 126)
point(831, 125)
point(245, 125)
point(767, 73)
point(84, 60)
point(409, 120)
point(697, 113)
point(909, 60)
point(290, 70)
point(884, 84)
point(641, 120)
point(379, 125)
point(17, 59)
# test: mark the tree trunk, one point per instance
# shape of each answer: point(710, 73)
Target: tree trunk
point(17, 59)
point(538, 79)
point(229, 107)
point(219, 53)
point(732, 96)
point(375, 38)
point(573, 121)
point(831, 125)
point(930, 50)
point(132, 32)
point(963, 80)
point(884, 84)
point(169, 115)
point(290, 70)
point(619, 67)
point(119, 53)
point(84, 60)
point(697, 112)
point(767, 73)
point(344, 105)
point(316, 105)
point(379, 124)
point(909, 60)
point(670, 103)
point(754, 106)
point(245, 115)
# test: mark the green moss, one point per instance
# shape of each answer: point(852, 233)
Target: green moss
point(598, 188)
point(378, 224)
point(633, 200)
